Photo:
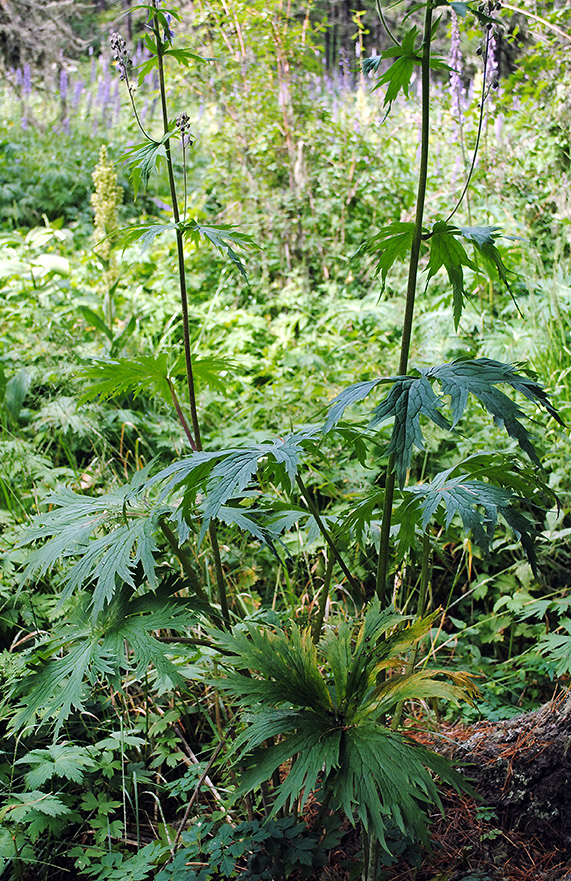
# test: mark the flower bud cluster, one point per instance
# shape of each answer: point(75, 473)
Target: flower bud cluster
point(490, 42)
point(121, 55)
point(183, 125)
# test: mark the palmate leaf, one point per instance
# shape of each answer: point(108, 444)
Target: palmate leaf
point(421, 685)
point(142, 159)
point(287, 663)
point(65, 760)
point(143, 233)
point(59, 685)
point(112, 378)
point(351, 395)
point(121, 541)
point(391, 243)
point(186, 57)
point(183, 56)
point(460, 7)
point(260, 524)
point(479, 377)
point(386, 775)
point(411, 397)
point(478, 505)
point(447, 251)
point(224, 237)
point(399, 74)
point(76, 657)
point(210, 370)
point(224, 475)
point(483, 239)
point(555, 650)
point(408, 399)
point(23, 805)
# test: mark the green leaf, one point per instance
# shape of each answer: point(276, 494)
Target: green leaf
point(64, 667)
point(145, 68)
point(119, 545)
point(483, 238)
point(399, 74)
point(122, 376)
point(323, 706)
point(555, 648)
point(22, 805)
point(391, 243)
point(257, 523)
point(96, 320)
point(353, 393)
point(479, 377)
point(59, 760)
point(15, 392)
point(142, 159)
point(212, 371)
point(287, 662)
point(408, 400)
point(446, 251)
point(225, 475)
point(224, 237)
point(478, 505)
point(145, 233)
point(186, 57)
point(411, 397)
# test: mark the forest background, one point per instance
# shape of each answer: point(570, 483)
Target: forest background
point(138, 580)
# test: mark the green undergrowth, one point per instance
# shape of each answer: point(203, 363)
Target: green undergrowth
point(246, 521)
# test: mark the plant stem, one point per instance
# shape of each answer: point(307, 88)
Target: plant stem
point(385, 24)
point(221, 585)
point(179, 239)
point(383, 562)
point(219, 573)
point(421, 610)
point(183, 560)
point(326, 534)
point(318, 623)
point(181, 417)
point(478, 133)
point(203, 777)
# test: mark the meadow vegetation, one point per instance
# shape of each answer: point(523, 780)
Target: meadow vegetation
point(285, 374)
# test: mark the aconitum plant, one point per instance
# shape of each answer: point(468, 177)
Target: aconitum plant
point(314, 707)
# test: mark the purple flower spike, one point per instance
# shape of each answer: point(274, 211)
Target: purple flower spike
point(63, 84)
point(456, 87)
point(27, 81)
point(76, 94)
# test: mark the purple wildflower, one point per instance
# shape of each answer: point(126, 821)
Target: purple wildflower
point(27, 81)
point(63, 84)
point(455, 61)
point(76, 94)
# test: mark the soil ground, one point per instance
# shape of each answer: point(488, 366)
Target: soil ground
point(518, 828)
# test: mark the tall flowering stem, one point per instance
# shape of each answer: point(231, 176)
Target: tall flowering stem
point(384, 550)
point(197, 442)
point(457, 91)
